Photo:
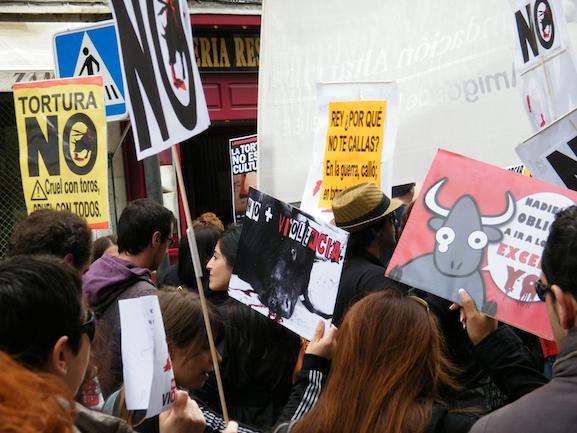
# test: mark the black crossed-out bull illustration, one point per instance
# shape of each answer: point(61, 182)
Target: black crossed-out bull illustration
point(461, 235)
point(277, 268)
point(83, 141)
point(175, 37)
point(545, 19)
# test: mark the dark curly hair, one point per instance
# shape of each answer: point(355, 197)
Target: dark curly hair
point(57, 233)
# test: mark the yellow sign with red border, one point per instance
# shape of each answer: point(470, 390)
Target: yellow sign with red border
point(62, 135)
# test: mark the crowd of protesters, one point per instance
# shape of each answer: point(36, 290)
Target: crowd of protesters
point(399, 360)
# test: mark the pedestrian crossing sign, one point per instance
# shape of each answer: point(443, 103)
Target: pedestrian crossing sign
point(89, 51)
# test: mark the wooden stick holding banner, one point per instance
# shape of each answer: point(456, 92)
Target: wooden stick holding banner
point(198, 274)
point(122, 137)
point(170, 120)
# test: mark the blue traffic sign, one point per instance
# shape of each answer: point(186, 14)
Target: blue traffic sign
point(89, 51)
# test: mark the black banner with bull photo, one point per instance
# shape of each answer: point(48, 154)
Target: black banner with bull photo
point(288, 264)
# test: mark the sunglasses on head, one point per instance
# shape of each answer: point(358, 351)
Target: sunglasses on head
point(420, 301)
point(541, 288)
point(89, 327)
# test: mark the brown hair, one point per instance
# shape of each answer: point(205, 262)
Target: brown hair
point(48, 231)
point(388, 370)
point(184, 322)
point(208, 219)
point(33, 402)
point(100, 245)
point(184, 327)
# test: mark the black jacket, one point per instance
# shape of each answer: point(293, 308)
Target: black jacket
point(304, 394)
point(551, 408)
point(258, 360)
point(362, 273)
point(511, 366)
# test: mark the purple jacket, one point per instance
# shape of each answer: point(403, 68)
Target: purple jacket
point(109, 280)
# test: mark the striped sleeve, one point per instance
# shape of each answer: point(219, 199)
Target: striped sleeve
point(306, 389)
point(215, 422)
point(311, 395)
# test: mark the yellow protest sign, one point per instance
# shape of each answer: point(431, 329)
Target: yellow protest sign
point(354, 146)
point(62, 136)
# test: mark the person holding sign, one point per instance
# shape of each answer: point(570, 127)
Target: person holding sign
point(258, 356)
point(396, 385)
point(45, 327)
point(369, 215)
point(389, 372)
point(189, 354)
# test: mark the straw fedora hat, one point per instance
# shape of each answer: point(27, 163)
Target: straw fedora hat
point(361, 206)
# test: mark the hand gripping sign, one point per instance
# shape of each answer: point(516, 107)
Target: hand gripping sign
point(481, 228)
point(62, 136)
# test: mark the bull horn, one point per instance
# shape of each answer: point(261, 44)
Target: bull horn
point(503, 218)
point(431, 199)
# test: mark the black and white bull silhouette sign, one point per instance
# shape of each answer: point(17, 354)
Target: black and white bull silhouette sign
point(276, 255)
point(461, 235)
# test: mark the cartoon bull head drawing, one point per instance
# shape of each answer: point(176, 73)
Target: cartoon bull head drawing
point(461, 236)
point(461, 233)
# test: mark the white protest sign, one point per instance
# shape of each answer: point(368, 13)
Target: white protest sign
point(354, 141)
point(544, 63)
point(165, 95)
point(148, 376)
point(551, 154)
point(288, 265)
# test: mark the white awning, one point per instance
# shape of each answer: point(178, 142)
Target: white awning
point(26, 52)
point(101, 7)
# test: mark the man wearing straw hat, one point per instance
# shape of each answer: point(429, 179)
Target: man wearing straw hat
point(369, 216)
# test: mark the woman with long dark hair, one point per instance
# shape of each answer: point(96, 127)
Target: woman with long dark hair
point(259, 356)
